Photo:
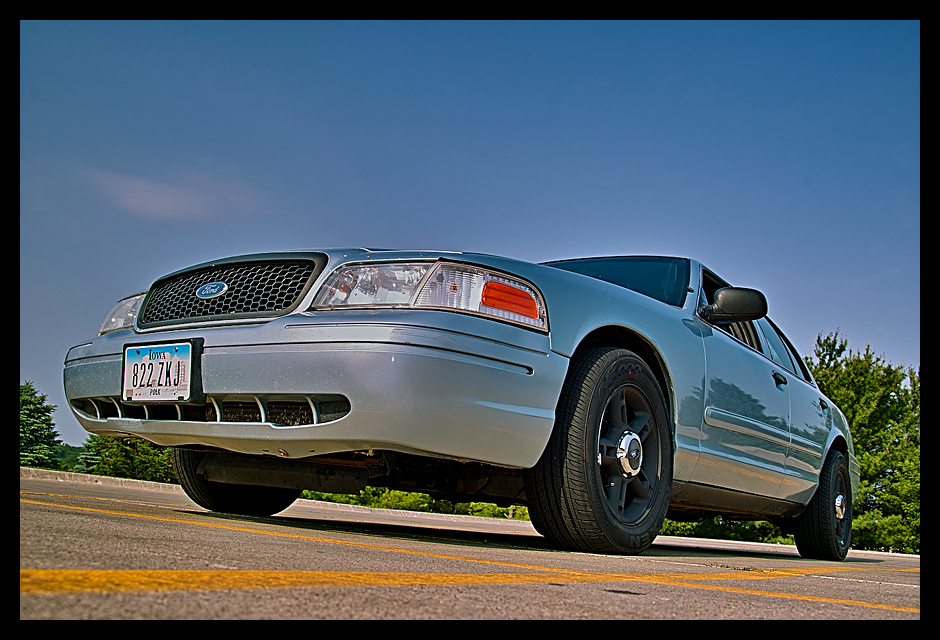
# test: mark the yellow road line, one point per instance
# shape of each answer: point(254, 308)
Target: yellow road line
point(117, 500)
point(799, 596)
point(66, 580)
point(349, 543)
point(106, 581)
point(57, 581)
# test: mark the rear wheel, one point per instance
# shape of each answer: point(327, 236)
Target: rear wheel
point(604, 481)
point(228, 498)
point(824, 530)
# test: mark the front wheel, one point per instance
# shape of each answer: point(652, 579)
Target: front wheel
point(240, 499)
point(604, 481)
point(824, 530)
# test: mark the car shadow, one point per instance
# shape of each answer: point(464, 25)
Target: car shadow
point(385, 532)
point(391, 531)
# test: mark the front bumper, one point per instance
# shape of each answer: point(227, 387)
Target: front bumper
point(472, 389)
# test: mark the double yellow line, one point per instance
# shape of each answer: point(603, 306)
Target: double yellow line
point(56, 581)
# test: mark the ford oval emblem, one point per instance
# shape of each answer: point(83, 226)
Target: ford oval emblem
point(211, 290)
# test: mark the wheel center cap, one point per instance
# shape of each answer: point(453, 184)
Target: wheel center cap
point(840, 506)
point(630, 454)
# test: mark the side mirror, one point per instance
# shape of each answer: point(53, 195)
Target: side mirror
point(735, 304)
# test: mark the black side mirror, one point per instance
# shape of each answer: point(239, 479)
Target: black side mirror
point(735, 304)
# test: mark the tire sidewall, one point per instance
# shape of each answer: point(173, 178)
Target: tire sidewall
point(227, 498)
point(816, 535)
point(624, 369)
point(839, 469)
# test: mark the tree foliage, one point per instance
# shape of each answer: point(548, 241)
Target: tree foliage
point(127, 458)
point(38, 437)
point(881, 403)
point(382, 498)
point(722, 528)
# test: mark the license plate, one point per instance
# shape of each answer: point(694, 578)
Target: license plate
point(158, 373)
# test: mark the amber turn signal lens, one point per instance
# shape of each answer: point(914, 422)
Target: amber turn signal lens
point(499, 295)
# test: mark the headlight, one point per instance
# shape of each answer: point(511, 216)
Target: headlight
point(372, 285)
point(123, 314)
point(442, 285)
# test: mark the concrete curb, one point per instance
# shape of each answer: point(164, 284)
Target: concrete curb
point(84, 478)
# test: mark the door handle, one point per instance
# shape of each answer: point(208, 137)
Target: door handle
point(823, 405)
point(779, 378)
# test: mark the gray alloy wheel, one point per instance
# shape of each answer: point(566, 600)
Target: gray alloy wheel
point(228, 498)
point(604, 481)
point(824, 529)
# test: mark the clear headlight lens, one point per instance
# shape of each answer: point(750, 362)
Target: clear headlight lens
point(442, 285)
point(372, 285)
point(123, 314)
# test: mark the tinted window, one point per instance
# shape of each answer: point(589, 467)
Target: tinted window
point(665, 279)
point(778, 351)
point(802, 371)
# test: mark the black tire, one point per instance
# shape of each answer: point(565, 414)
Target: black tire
point(228, 498)
point(582, 494)
point(824, 530)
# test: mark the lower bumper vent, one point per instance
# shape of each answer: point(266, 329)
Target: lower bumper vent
point(286, 412)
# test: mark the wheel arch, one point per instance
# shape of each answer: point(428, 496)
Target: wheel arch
point(838, 443)
point(631, 340)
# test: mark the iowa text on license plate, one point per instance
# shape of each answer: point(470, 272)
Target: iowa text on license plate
point(154, 373)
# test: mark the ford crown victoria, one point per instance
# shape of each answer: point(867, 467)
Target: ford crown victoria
point(603, 393)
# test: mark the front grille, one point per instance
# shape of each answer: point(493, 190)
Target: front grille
point(256, 288)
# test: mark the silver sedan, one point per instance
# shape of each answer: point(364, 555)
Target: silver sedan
point(603, 393)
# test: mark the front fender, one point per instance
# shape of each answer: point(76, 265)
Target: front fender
point(840, 432)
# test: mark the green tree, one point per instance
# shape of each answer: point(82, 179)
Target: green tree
point(128, 458)
point(490, 510)
point(725, 529)
point(87, 459)
point(382, 498)
point(68, 456)
point(881, 403)
point(38, 437)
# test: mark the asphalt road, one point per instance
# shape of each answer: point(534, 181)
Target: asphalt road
point(100, 548)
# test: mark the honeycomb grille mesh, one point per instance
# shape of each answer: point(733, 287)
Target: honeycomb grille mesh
point(253, 288)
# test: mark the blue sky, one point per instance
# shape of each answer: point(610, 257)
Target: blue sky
point(784, 155)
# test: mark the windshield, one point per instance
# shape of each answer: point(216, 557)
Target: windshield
point(665, 279)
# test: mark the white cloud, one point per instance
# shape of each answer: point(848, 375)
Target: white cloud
point(194, 196)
